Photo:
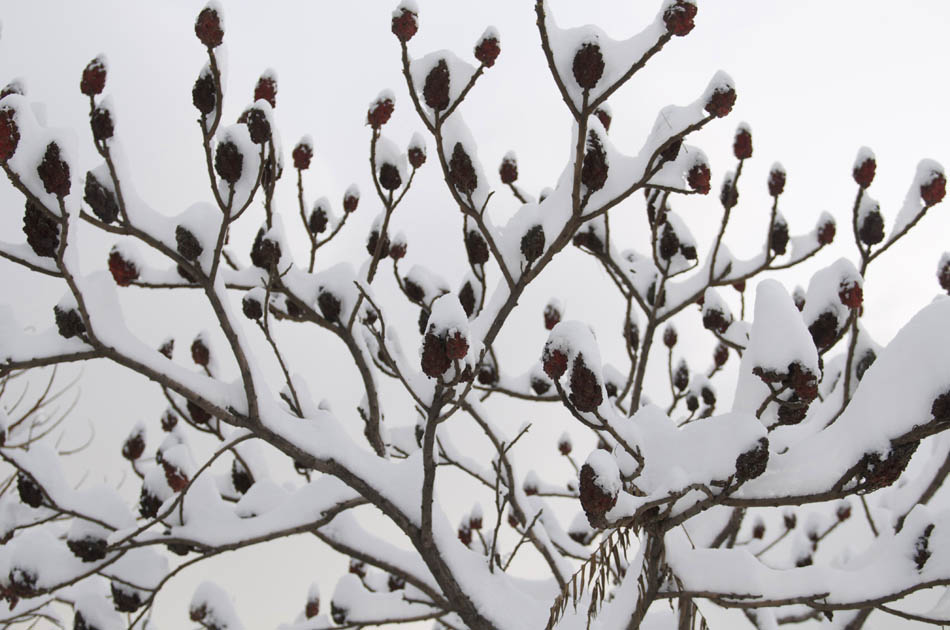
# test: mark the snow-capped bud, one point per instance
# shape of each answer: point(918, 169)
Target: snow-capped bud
point(417, 151)
point(679, 17)
point(329, 305)
point(631, 334)
point(586, 392)
point(476, 248)
point(380, 110)
point(776, 180)
point(229, 162)
point(456, 346)
point(594, 169)
point(564, 445)
point(669, 243)
point(532, 244)
point(922, 550)
point(487, 374)
point(798, 296)
point(435, 361)
point(187, 243)
point(9, 133)
point(864, 167)
point(317, 223)
point(824, 330)
point(351, 198)
point(175, 476)
point(539, 386)
point(42, 231)
point(692, 403)
point(699, 177)
point(395, 583)
point(729, 193)
point(405, 23)
point(603, 115)
point(203, 93)
point(552, 314)
point(933, 191)
point(600, 485)
point(669, 336)
point(850, 293)
point(93, 77)
point(125, 598)
point(100, 121)
point(312, 609)
point(742, 145)
point(134, 445)
point(721, 101)
point(461, 171)
point(508, 169)
point(11, 88)
point(588, 66)
point(865, 362)
point(752, 463)
point(198, 413)
point(435, 91)
point(758, 529)
point(943, 272)
point(200, 353)
point(554, 362)
point(258, 125)
point(124, 271)
point(169, 420)
point(302, 154)
point(826, 231)
point(167, 348)
point(265, 252)
point(252, 307)
point(843, 511)
point(389, 177)
point(29, 491)
point(488, 49)
point(681, 376)
point(397, 250)
point(54, 171)
point(721, 355)
point(871, 226)
point(778, 238)
point(373, 242)
point(266, 89)
point(208, 27)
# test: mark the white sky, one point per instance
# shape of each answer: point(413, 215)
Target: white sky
point(816, 80)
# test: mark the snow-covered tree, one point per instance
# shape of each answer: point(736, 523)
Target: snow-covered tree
point(787, 499)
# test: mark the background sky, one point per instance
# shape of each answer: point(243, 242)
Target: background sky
point(815, 80)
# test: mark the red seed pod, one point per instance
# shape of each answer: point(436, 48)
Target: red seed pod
point(681, 376)
point(508, 170)
point(187, 243)
point(462, 171)
point(595, 168)
point(351, 199)
point(935, 189)
point(93, 78)
point(456, 346)
point(176, 478)
point(200, 353)
point(742, 146)
point(318, 221)
point(679, 18)
point(398, 250)
point(871, 230)
point(252, 307)
point(329, 305)
point(203, 94)
point(698, 178)
point(850, 294)
point(739, 286)
point(476, 248)
point(824, 330)
point(389, 177)
point(487, 50)
point(778, 239)
point(532, 243)
point(669, 336)
point(9, 134)
point(467, 298)
point(197, 413)
point(604, 117)
point(721, 101)
point(379, 112)
point(776, 180)
point(405, 24)
point(134, 446)
point(586, 392)
point(124, 272)
point(54, 171)
point(595, 500)
point(266, 89)
point(552, 315)
point(721, 355)
point(588, 66)
point(826, 233)
point(100, 120)
point(258, 125)
point(435, 91)
point(863, 173)
point(554, 363)
point(208, 28)
point(417, 156)
point(312, 608)
point(435, 360)
point(42, 231)
point(302, 155)
point(373, 241)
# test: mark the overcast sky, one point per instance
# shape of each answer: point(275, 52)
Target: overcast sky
point(815, 80)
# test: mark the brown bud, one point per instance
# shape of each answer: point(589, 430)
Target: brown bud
point(532, 243)
point(669, 243)
point(124, 272)
point(778, 239)
point(681, 376)
point(329, 305)
point(266, 89)
point(721, 355)
point(379, 112)
point(350, 201)
point(417, 156)
point(100, 199)
point(54, 171)
point(487, 51)
point(588, 65)
point(669, 336)
point(594, 499)
point(850, 295)
point(9, 134)
point(826, 233)
point(317, 223)
point(100, 120)
point(508, 170)
point(934, 191)
point(476, 248)
point(824, 330)
point(871, 230)
point(678, 18)
point(698, 178)
point(742, 146)
point(30, 492)
point(586, 392)
point(752, 463)
point(167, 348)
point(435, 91)
point(467, 298)
point(943, 274)
point(863, 173)
point(389, 177)
point(373, 242)
point(251, 307)
point(721, 101)
point(258, 125)
point(462, 171)
point(42, 231)
point(302, 155)
point(265, 252)
point(187, 243)
point(197, 413)
point(203, 93)
point(554, 363)
point(594, 169)
point(208, 28)
point(200, 353)
point(552, 315)
point(176, 478)
point(405, 25)
point(93, 78)
point(229, 162)
point(398, 250)
point(134, 446)
point(603, 117)
point(776, 181)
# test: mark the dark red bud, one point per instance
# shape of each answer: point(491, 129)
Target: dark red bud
point(208, 28)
